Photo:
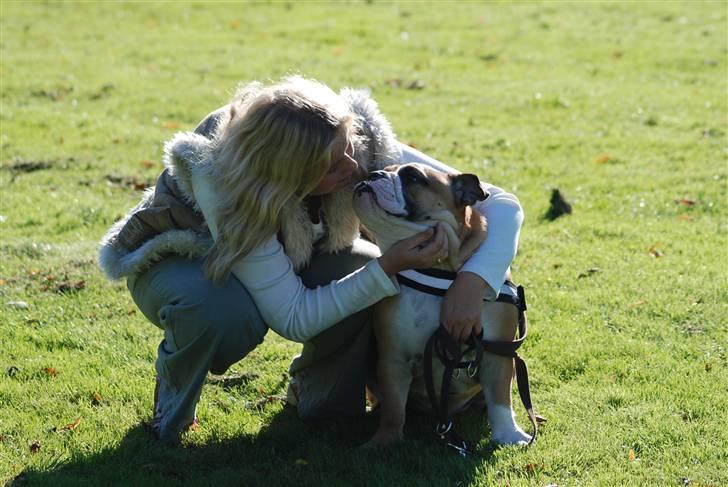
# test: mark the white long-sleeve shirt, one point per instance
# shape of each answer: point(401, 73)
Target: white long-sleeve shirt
point(298, 313)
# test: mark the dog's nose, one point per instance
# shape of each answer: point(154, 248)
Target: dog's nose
point(374, 175)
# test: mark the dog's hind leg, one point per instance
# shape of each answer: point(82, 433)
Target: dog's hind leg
point(496, 376)
point(395, 376)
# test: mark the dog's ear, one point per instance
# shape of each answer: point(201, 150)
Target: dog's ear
point(466, 190)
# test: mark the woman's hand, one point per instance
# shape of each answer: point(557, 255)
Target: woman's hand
point(420, 251)
point(460, 312)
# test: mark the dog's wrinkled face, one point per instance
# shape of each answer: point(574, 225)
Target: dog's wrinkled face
point(399, 201)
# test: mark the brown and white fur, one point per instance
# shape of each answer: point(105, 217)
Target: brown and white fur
point(397, 203)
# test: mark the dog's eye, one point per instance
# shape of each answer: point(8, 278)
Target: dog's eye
point(412, 175)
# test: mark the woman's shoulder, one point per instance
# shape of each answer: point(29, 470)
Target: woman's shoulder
point(209, 125)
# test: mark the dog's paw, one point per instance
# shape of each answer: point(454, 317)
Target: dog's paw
point(383, 438)
point(512, 437)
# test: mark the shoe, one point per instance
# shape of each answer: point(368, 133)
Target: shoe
point(154, 426)
point(292, 392)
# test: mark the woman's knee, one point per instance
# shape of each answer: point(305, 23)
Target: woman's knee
point(237, 324)
point(325, 268)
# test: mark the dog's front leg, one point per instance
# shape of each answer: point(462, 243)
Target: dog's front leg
point(395, 376)
point(496, 376)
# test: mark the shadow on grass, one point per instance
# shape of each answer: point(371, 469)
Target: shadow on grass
point(287, 451)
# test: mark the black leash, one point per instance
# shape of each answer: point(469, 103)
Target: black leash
point(442, 344)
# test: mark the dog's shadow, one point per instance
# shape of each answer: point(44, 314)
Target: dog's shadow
point(287, 451)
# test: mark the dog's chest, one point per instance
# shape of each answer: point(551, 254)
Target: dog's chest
point(405, 322)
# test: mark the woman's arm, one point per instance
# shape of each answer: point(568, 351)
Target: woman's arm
point(287, 306)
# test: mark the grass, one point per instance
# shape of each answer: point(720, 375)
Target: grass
point(620, 105)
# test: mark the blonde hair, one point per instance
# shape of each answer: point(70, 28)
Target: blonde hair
point(274, 151)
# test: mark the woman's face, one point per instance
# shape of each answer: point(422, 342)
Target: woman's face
point(343, 169)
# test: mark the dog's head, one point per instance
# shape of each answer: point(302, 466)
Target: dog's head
point(399, 201)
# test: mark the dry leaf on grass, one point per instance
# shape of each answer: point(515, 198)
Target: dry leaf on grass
point(655, 251)
point(35, 447)
point(588, 272)
point(50, 371)
point(686, 202)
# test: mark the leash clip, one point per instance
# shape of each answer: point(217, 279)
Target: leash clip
point(472, 369)
point(442, 429)
point(462, 450)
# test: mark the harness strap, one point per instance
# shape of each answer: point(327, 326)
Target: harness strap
point(450, 353)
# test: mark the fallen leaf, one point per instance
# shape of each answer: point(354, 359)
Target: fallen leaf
point(71, 426)
point(170, 125)
point(638, 303)
point(603, 159)
point(67, 286)
point(97, 399)
point(632, 457)
point(532, 468)
point(417, 84)
point(655, 251)
point(35, 447)
point(685, 202)
point(50, 371)
point(558, 206)
point(685, 218)
point(148, 164)
point(21, 165)
point(3, 282)
point(588, 273)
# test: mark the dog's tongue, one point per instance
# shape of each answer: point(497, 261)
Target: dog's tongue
point(389, 195)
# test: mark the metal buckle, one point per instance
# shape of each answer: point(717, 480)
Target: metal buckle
point(462, 450)
point(439, 430)
point(472, 369)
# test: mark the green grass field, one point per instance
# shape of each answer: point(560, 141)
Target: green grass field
point(623, 106)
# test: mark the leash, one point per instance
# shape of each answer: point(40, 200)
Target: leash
point(442, 344)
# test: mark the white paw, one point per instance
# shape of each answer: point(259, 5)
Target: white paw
point(514, 436)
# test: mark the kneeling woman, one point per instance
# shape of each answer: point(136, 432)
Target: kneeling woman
point(251, 226)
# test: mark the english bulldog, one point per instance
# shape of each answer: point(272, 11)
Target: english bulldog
point(396, 203)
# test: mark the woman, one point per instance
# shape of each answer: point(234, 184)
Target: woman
point(250, 226)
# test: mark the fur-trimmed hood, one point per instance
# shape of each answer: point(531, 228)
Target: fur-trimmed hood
point(168, 219)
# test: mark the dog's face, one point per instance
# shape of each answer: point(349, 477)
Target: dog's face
point(400, 201)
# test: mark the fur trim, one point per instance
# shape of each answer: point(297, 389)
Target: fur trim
point(376, 147)
point(117, 262)
point(185, 154)
point(190, 154)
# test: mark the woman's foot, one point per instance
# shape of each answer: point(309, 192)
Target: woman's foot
point(157, 425)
